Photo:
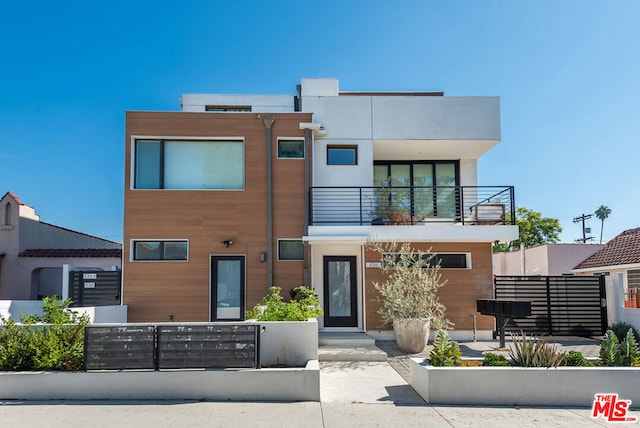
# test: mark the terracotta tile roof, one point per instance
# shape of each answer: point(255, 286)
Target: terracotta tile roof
point(72, 252)
point(624, 249)
point(15, 198)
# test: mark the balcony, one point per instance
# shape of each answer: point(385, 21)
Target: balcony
point(389, 206)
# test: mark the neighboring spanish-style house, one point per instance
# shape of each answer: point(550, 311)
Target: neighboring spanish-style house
point(620, 255)
point(551, 259)
point(239, 192)
point(32, 252)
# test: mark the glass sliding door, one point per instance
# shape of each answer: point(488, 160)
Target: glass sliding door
point(425, 188)
point(227, 288)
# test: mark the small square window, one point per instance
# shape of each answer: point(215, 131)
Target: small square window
point(290, 249)
point(290, 149)
point(342, 155)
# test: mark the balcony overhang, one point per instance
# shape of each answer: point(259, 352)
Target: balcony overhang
point(415, 233)
point(431, 149)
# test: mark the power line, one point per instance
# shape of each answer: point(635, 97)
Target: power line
point(585, 230)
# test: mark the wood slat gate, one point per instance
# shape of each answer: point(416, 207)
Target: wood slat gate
point(560, 305)
point(95, 288)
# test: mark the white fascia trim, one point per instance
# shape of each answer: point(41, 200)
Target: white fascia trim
point(606, 268)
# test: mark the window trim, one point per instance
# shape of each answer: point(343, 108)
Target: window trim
point(304, 152)
point(290, 260)
point(353, 147)
point(162, 139)
point(132, 250)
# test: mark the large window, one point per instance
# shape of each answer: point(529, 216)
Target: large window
point(160, 250)
point(189, 164)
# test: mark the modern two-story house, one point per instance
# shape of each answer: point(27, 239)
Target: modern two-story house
point(236, 193)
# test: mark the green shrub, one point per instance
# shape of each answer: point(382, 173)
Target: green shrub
point(273, 308)
point(59, 345)
point(491, 359)
point(534, 352)
point(576, 359)
point(16, 352)
point(445, 352)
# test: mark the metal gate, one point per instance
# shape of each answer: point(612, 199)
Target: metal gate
point(560, 305)
point(95, 288)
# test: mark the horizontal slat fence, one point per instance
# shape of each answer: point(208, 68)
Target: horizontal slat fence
point(95, 288)
point(560, 305)
point(119, 347)
point(176, 346)
point(208, 346)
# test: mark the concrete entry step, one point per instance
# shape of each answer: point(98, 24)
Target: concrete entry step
point(345, 339)
point(351, 353)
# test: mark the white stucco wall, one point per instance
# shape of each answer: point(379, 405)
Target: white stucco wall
point(28, 232)
point(258, 103)
point(547, 259)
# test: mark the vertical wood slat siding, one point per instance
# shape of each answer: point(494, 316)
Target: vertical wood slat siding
point(459, 295)
point(156, 290)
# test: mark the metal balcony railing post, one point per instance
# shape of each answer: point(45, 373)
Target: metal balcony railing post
point(360, 194)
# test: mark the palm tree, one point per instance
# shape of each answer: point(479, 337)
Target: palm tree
point(602, 213)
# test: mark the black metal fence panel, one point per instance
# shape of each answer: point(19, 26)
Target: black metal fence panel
point(95, 288)
point(119, 347)
point(175, 346)
point(560, 305)
point(208, 346)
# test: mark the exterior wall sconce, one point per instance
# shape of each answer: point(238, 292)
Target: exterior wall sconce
point(263, 257)
point(227, 242)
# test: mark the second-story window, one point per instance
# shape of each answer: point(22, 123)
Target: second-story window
point(189, 164)
point(290, 149)
point(342, 155)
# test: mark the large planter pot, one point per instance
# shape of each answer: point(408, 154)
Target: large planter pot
point(411, 334)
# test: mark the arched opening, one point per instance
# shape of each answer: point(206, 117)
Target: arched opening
point(7, 214)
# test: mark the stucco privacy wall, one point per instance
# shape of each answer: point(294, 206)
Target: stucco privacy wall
point(547, 259)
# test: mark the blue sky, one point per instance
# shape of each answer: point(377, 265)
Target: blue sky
point(567, 72)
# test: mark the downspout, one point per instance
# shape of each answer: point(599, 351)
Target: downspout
point(307, 160)
point(268, 122)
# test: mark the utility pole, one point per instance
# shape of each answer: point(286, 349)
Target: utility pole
point(585, 229)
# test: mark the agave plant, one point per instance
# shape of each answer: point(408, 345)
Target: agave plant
point(616, 353)
point(445, 352)
point(534, 351)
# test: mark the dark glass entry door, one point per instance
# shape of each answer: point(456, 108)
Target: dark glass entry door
point(227, 288)
point(340, 292)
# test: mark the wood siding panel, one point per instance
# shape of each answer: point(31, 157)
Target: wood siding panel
point(156, 290)
point(459, 294)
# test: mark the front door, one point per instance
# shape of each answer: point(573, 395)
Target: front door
point(227, 288)
point(340, 292)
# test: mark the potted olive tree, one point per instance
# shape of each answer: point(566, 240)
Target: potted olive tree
point(408, 297)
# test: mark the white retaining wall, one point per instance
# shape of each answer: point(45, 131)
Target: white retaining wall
point(285, 384)
point(531, 386)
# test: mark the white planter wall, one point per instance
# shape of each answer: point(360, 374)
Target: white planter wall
point(508, 386)
point(289, 384)
point(289, 343)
